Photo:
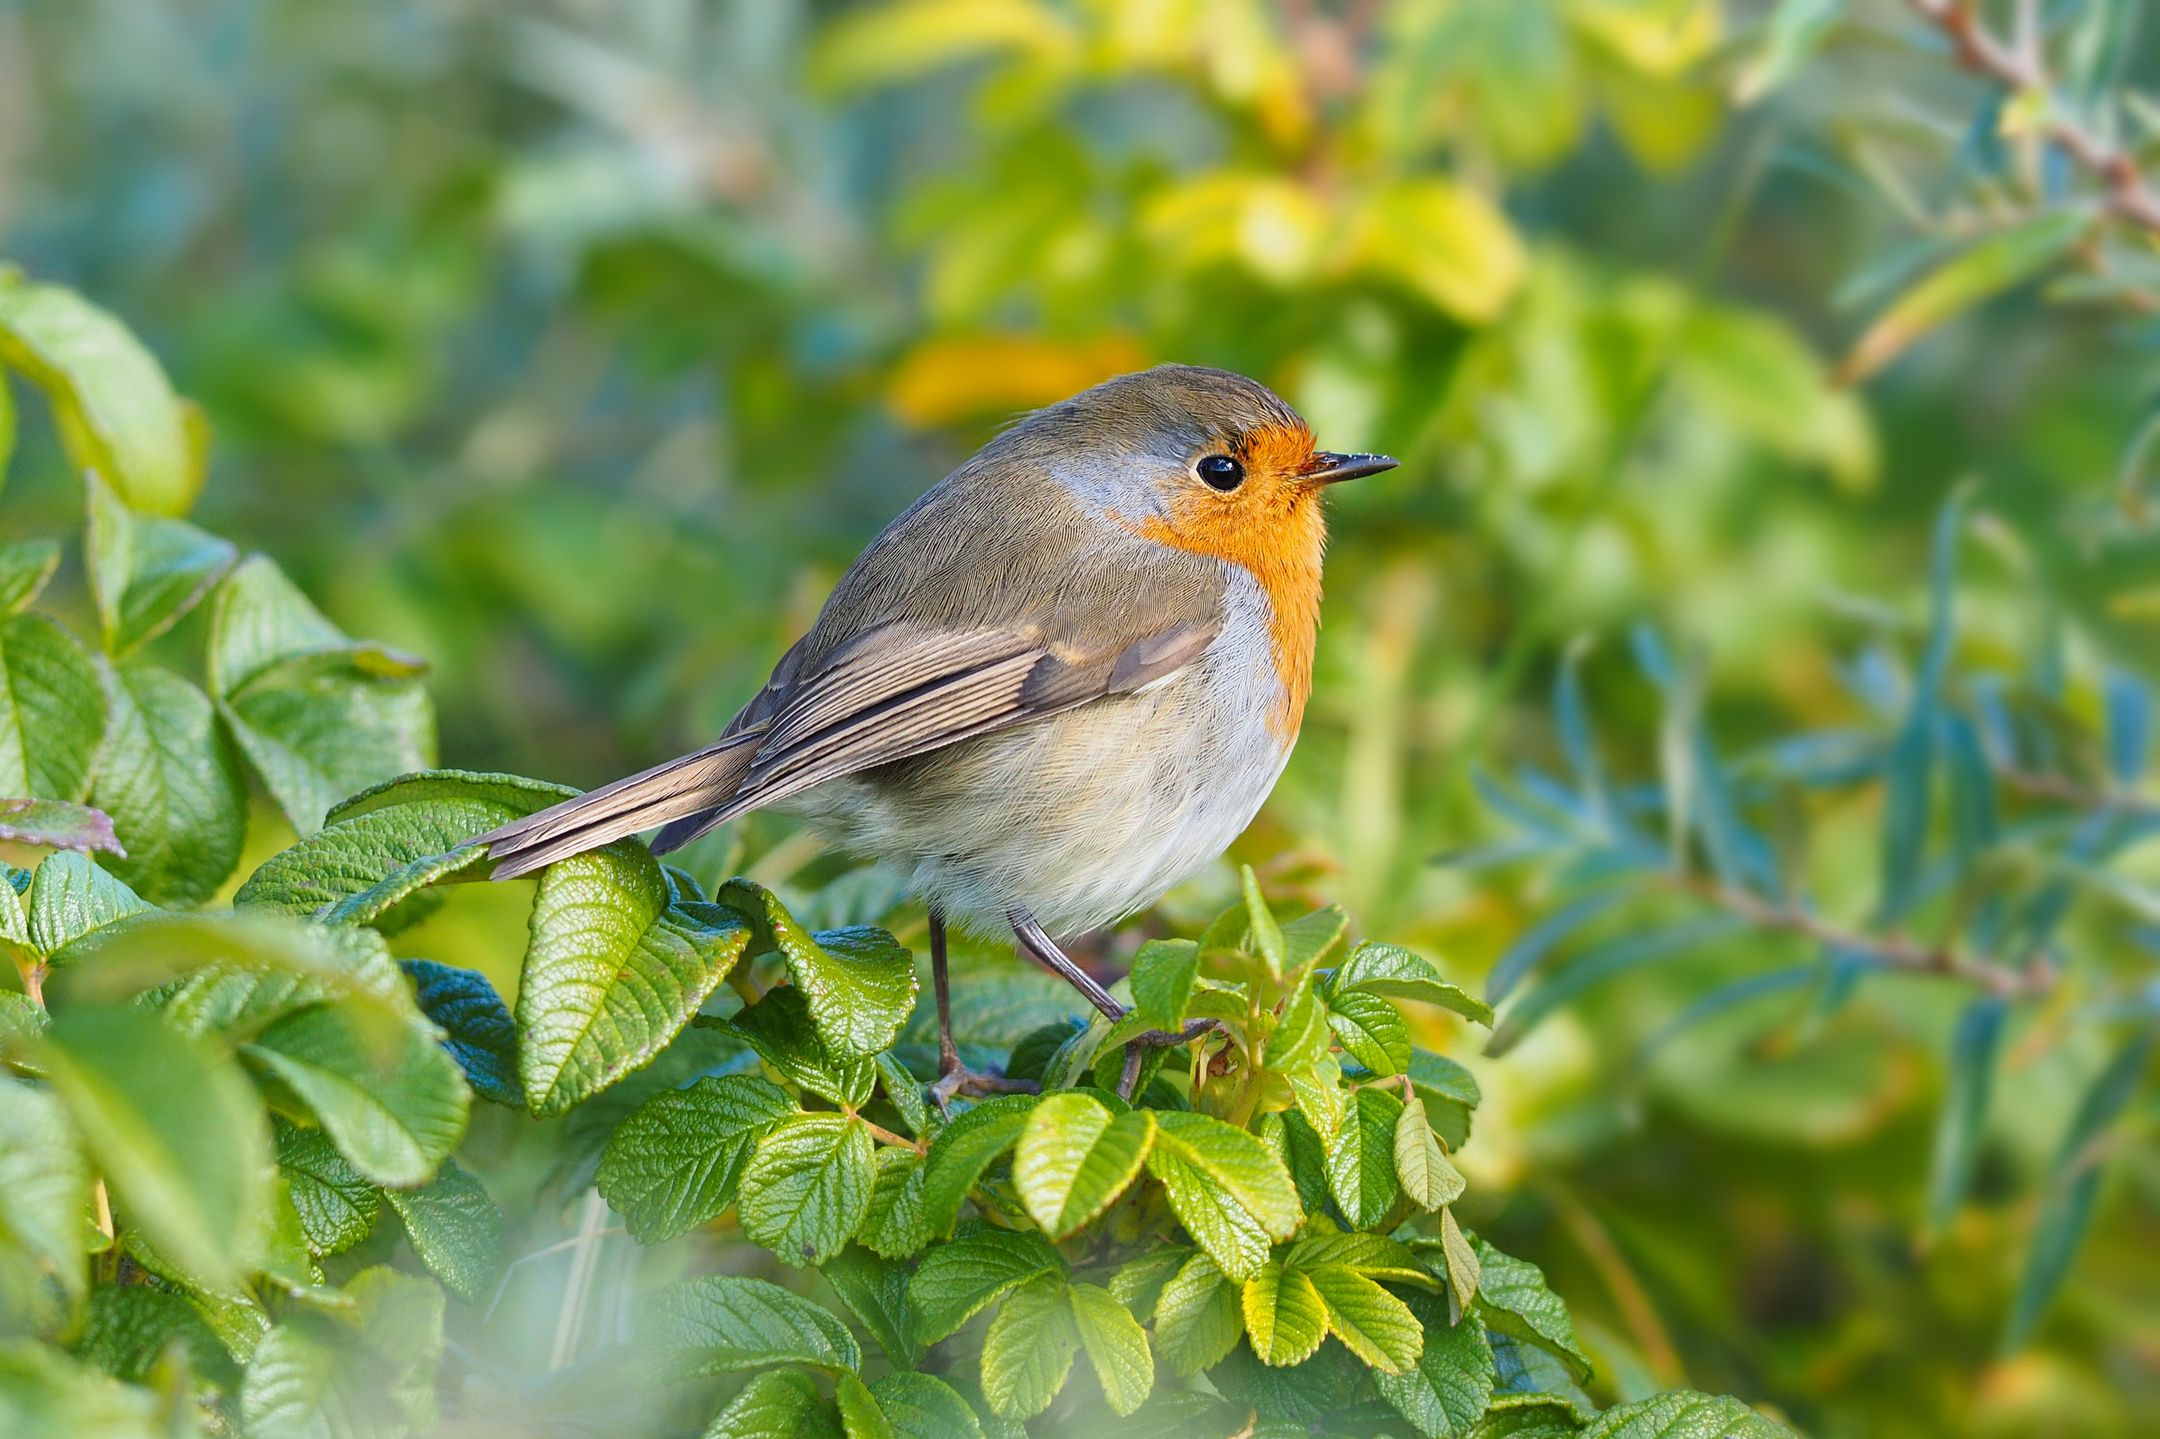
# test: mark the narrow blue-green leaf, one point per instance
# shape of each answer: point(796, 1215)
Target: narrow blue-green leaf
point(1541, 939)
point(1965, 1107)
point(1603, 962)
point(2129, 727)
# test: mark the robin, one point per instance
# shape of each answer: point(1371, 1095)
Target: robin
point(1061, 681)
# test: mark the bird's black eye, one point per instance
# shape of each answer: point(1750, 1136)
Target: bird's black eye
point(1221, 473)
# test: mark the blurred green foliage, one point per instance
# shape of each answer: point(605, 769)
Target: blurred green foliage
point(577, 346)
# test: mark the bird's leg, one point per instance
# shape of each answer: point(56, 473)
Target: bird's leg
point(953, 1076)
point(1044, 950)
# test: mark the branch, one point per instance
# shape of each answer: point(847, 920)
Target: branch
point(2019, 66)
point(1892, 951)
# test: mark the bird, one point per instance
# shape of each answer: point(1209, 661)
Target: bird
point(1061, 681)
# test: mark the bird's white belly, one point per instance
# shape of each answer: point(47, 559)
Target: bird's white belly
point(1087, 816)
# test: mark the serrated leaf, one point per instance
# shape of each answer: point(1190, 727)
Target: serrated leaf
point(58, 824)
point(875, 1292)
point(781, 1405)
point(1372, 1323)
point(1685, 1414)
point(1029, 1348)
point(1284, 1315)
point(476, 1025)
point(361, 1371)
point(1162, 980)
point(1460, 1266)
point(1376, 1256)
point(1301, 1035)
point(1198, 1317)
point(964, 1149)
point(455, 1228)
point(114, 408)
point(860, 982)
point(616, 967)
point(1449, 1092)
point(1513, 1298)
point(780, 1029)
point(1371, 1030)
point(675, 1163)
point(860, 1416)
point(316, 714)
point(923, 1406)
point(1310, 938)
point(172, 784)
point(1422, 1168)
point(1075, 1158)
point(44, 1183)
point(1228, 1189)
point(1397, 973)
point(233, 973)
point(1528, 1416)
point(807, 1186)
point(1261, 929)
point(384, 1091)
point(906, 1093)
point(25, 565)
point(146, 572)
point(957, 1280)
point(722, 1324)
point(1361, 1161)
point(1446, 1392)
point(1297, 1143)
point(895, 1225)
point(336, 1203)
point(52, 711)
point(70, 897)
point(174, 1127)
point(132, 1328)
point(1116, 1347)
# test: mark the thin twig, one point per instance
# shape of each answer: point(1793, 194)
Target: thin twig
point(1893, 951)
point(2019, 67)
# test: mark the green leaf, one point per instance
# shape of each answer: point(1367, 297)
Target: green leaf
point(1116, 1346)
point(172, 784)
point(1228, 1189)
point(1284, 1315)
point(57, 824)
point(336, 1203)
point(1162, 980)
point(617, 965)
point(1311, 938)
point(386, 1093)
point(174, 1127)
point(70, 897)
point(784, 1404)
point(132, 1328)
point(1996, 262)
point(1528, 1416)
point(1264, 934)
point(476, 1025)
point(362, 1371)
point(1460, 1266)
point(146, 572)
point(875, 1292)
point(1972, 1078)
point(923, 1406)
point(964, 1149)
point(807, 1186)
point(455, 1229)
point(1512, 1298)
point(25, 565)
point(382, 844)
point(1396, 973)
point(1685, 1414)
point(1371, 1030)
point(1372, 1323)
point(674, 1164)
point(1029, 1348)
point(1449, 1092)
point(780, 1029)
point(44, 1183)
point(1198, 1317)
point(1425, 1174)
point(958, 1280)
point(1075, 1157)
point(1361, 1161)
point(1376, 1256)
point(860, 982)
point(45, 1393)
point(895, 1225)
point(1446, 1392)
point(2066, 1209)
point(317, 715)
point(52, 711)
point(860, 1416)
point(112, 404)
point(721, 1324)
point(906, 1093)
point(1299, 1042)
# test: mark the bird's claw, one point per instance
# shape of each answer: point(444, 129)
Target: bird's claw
point(957, 1079)
point(1147, 1039)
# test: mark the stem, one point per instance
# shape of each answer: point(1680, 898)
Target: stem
point(885, 1136)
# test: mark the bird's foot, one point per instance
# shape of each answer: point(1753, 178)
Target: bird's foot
point(956, 1078)
point(1147, 1039)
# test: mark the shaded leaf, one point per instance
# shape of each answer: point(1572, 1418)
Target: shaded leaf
point(784, 1404)
point(170, 780)
point(455, 1228)
point(358, 1372)
point(336, 1203)
point(25, 565)
point(1685, 1414)
point(1116, 1347)
point(57, 824)
point(958, 1280)
point(146, 572)
point(923, 1406)
point(721, 1324)
point(1512, 1298)
point(1028, 1349)
point(876, 1294)
point(1361, 1161)
point(1199, 1317)
point(674, 1164)
point(383, 1090)
point(44, 1183)
point(1446, 1391)
point(1162, 980)
point(476, 1025)
point(964, 1149)
point(52, 711)
point(807, 1186)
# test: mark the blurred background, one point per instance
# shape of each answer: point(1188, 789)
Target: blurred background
point(579, 344)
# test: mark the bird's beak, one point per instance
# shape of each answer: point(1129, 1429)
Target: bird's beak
point(1326, 467)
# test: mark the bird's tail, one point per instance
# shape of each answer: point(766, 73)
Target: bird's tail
point(673, 791)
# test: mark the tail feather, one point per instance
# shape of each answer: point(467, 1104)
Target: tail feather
point(679, 789)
